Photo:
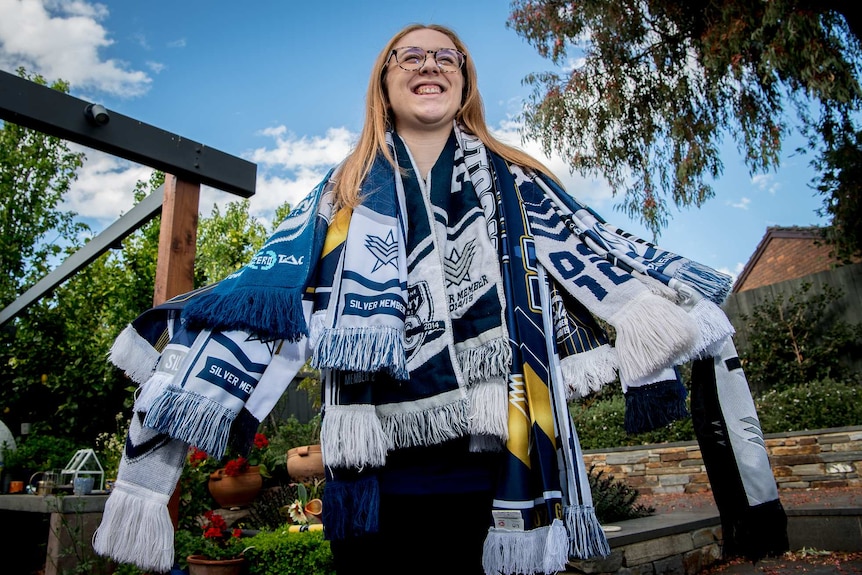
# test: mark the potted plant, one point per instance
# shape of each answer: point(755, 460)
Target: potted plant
point(307, 508)
point(238, 483)
point(216, 551)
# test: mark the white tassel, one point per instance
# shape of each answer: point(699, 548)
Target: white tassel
point(492, 359)
point(136, 528)
point(134, 355)
point(150, 390)
point(489, 409)
point(352, 436)
point(541, 550)
point(713, 328)
point(651, 333)
point(589, 371)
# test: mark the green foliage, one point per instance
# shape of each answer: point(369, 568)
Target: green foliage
point(36, 171)
point(815, 405)
point(226, 242)
point(284, 435)
point(279, 552)
point(600, 424)
point(796, 339)
point(840, 185)
point(614, 500)
point(195, 498)
point(190, 542)
point(38, 452)
point(656, 85)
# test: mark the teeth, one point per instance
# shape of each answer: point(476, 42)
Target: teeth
point(428, 90)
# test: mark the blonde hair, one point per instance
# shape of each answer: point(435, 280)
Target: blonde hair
point(372, 139)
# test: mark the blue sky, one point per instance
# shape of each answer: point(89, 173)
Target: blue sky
point(282, 83)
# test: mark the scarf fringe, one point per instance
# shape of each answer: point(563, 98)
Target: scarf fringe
point(541, 550)
point(713, 326)
point(588, 539)
point(193, 418)
point(711, 283)
point(352, 436)
point(351, 507)
point(655, 405)
point(269, 313)
point(134, 355)
point(136, 528)
point(150, 391)
point(489, 409)
point(491, 359)
point(588, 371)
point(362, 349)
point(651, 333)
point(658, 287)
point(429, 426)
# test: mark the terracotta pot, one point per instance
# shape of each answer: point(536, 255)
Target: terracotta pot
point(200, 565)
point(305, 463)
point(235, 491)
point(314, 510)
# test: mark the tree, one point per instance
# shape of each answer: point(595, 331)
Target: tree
point(657, 84)
point(36, 170)
point(226, 242)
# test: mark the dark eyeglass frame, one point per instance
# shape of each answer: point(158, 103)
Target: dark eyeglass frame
point(394, 52)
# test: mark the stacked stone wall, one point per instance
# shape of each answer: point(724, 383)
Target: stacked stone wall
point(799, 460)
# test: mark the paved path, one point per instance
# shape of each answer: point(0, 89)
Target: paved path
point(797, 562)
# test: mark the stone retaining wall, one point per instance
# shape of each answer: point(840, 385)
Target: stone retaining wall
point(800, 460)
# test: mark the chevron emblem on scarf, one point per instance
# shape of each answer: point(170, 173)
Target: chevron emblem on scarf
point(457, 266)
point(385, 250)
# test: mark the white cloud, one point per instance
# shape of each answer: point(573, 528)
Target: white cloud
point(288, 169)
point(105, 185)
point(178, 43)
point(595, 193)
point(765, 183)
point(293, 153)
point(61, 39)
point(742, 204)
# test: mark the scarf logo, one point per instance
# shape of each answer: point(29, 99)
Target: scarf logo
point(457, 266)
point(263, 260)
point(418, 326)
point(384, 250)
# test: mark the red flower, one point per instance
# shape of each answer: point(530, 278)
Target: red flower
point(260, 441)
point(212, 533)
point(236, 466)
point(197, 456)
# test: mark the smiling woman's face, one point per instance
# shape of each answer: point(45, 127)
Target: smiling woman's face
point(428, 98)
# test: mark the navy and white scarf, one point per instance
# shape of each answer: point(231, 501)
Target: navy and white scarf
point(434, 315)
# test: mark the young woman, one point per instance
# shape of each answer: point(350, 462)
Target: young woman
point(448, 290)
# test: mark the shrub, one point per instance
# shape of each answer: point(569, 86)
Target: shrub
point(797, 339)
point(600, 425)
point(38, 452)
point(284, 435)
point(280, 552)
point(816, 405)
point(614, 500)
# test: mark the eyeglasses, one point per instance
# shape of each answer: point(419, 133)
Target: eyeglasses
point(412, 58)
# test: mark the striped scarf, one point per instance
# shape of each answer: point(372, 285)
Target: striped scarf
point(435, 312)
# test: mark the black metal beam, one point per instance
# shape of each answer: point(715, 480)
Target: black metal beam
point(143, 212)
point(41, 108)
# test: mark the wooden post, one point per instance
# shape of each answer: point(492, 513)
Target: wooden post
point(175, 268)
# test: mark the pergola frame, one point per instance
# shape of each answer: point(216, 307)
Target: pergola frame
point(187, 164)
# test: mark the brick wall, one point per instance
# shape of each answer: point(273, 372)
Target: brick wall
point(799, 460)
point(787, 258)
